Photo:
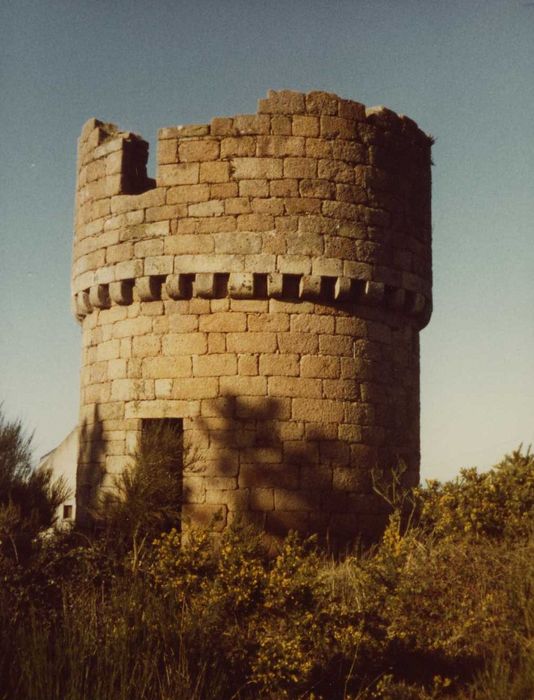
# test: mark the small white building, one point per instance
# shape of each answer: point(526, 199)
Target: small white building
point(63, 461)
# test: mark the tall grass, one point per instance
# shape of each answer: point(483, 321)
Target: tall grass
point(124, 643)
point(441, 608)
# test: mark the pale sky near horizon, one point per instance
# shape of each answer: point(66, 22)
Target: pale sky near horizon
point(464, 70)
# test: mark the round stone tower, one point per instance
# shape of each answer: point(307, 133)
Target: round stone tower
point(263, 295)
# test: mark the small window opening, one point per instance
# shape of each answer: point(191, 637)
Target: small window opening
point(67, 512)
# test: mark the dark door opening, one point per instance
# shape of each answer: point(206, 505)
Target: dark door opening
point(161, 449)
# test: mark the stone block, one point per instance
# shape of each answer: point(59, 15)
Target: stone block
point(373, 292)
point(281, 124)
point(275, 322)
point(309, 323)
point(158, 265)
point(221, 126)
point(188, 194)
point(195, 388)
point(204, 285)
point(268, 476)
point(277, 146)
point(251, 342)
point(305, 125)
point(99, 296)
point(201, 150)
point(327, 267)
point(148, 288)
point(243, 243)
point(241, 285)
point(257, 168)
point(272, 206)
point(177, 286)
point(318, 102)
point(322, 367)
point(148, 247)
point(128, 269)
point(218, 171)
point(310, 287)
point(146, 346)
point(300, 167)
point(303, 343)
point(237, 205)
point(338, 127)
point(202, 264)
point(343, 289)
point(185, 344)
point(261, 499)
point(132, 327)
point(283, 365)
point(351, 478)
point(294, 264)
point(167, 151)
point(108, 350)
point(335, 345)
point(254, 187)
point(252, 124)
point(205, 516)
point(162, 408)
point(335, 170)
point(189, 244)
point(247, 365)
point(294, 386)
point(296, 500)
point(328, 410)
point(243, 386)
point(282, 102)
point(255, 222)
point(216, 343)
point(315, 187)
point(241, 146)
point(280, 522)
point(121, 292)
point(187, 130)
point(216, 365)
point(236, 501)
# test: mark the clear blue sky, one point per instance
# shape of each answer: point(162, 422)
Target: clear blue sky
point(464, 70)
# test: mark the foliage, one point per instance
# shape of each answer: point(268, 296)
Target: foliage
point(28, 497)
point(435, 610)
point(146, 498)
point(497, 503)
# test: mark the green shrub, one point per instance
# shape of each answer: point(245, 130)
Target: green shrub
point(28, 497)
point(146, 497)
point(497, 503)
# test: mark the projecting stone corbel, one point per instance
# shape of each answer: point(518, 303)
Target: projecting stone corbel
point(310, 287)
point(241, 285)
point(121, 292)
point(148, 288)
point(99, 296)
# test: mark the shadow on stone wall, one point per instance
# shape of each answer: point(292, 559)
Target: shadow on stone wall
point(90, 471)
point(284, 480)
point(249, 463)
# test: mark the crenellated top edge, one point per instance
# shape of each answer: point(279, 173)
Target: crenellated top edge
point(315, 103)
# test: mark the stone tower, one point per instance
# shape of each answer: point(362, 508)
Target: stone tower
point(265, 295)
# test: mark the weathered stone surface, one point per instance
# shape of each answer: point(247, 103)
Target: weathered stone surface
point(265, 291)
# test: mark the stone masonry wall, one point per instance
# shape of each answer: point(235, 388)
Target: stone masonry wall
point(268, 287)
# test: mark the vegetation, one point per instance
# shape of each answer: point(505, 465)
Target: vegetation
point(28, 498)
point(441, 607)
